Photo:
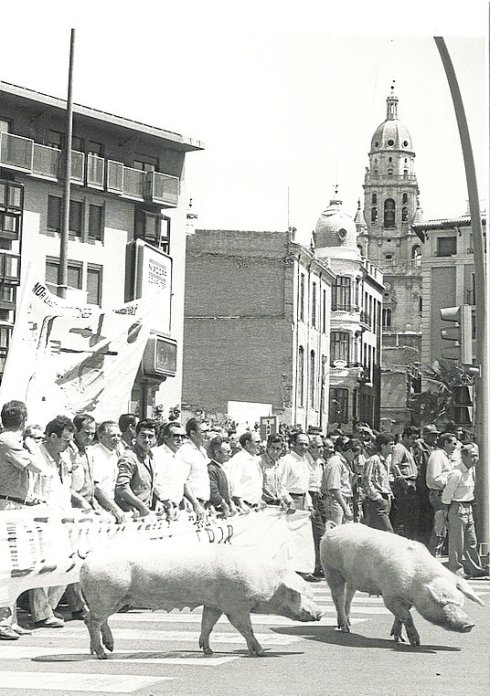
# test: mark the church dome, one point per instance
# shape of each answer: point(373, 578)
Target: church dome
point(335, 228)
point(391, 134)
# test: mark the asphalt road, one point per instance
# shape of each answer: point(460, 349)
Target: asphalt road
point(157, 654)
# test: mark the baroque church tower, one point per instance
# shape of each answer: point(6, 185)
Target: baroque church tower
point(385, 237)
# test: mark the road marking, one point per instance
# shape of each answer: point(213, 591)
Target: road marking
point(77, 681)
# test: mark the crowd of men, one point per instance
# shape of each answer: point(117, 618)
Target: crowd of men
point(419, 485)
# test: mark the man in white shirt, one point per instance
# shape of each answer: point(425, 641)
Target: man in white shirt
point(170, 473)
point(193, 457)
point(295, 480)
point(104, 457)
point(245, 473)
point(438, 467)
point(457, 499)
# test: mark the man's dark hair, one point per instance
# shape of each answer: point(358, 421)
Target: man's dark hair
point(14, 414)
point(192, 425)
point(147, 424)
point(293, 438)
point(445, 438)
point(245, 437)
point(383, 439)
point(58, 425)
point(215, 444)
point(275, 439)
point(79, 420)
point(411, 430)
point(354, 445)
point(125, 420)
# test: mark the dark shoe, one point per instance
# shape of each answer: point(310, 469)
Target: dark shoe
point(319, 574)
point(7, 633)
point(479, 574)
point(78, 615)
point(50, 622)
point(309, 577)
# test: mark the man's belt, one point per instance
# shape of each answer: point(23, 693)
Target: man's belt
point(21, 501)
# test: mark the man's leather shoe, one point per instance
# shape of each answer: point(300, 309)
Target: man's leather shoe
point(20, 630)
point(50, 622)
point(309, 577)
point(77, 615)
point(7, 633)
point(319, 574)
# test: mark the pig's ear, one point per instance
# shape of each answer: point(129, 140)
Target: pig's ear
point(441, 593)
point(466, 589)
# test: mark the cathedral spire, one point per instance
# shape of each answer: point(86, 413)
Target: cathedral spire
point(392, 104)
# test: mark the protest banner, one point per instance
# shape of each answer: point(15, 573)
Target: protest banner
point(38, 549)
point(68, 358)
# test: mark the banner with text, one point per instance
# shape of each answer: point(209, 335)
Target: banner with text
point(38, 549)
point(65, 359)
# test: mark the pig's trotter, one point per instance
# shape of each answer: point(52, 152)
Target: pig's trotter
point(412, 633)
point(396, 631)
point(241, 621)
point(107, 638)
point(209, 618)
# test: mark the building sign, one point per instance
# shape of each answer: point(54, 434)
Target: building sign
point(153, 277)
point(268, 426)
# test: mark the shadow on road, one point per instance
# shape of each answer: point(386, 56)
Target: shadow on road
point(120, 657)
point(329, 634)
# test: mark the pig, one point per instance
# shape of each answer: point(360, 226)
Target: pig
point(355, 557)
point(221, 578)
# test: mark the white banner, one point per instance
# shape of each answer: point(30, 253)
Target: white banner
point(38, 549)
point(65, 359)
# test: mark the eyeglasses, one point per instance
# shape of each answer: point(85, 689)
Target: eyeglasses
point(178, 436)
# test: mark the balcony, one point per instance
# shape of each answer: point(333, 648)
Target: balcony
point(24, 155)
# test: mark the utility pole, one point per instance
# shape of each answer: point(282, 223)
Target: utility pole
point(482, 383)
point(65, 222)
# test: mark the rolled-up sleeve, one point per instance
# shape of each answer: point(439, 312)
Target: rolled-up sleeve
point(126, 467)
point(368, 479)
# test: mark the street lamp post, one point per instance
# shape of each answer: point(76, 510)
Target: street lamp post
point(482, 391)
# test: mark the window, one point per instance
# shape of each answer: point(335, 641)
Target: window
point(341, 294)
point(374, 199)
point(339, 346)
point(389, 257)
point(374, 214)
point(404, 214)
point(405, 198)
point(389, 213)
point(54, 215)
point(11, 195)
point(146, 163)
point(313, 304)
point(55, 139)
point(338, 410)
point(312, 378)
point(76, 143)
point(301, 308)
point(95, 148)
point(4, 125)
point(301, 376)
point(74, 274)
point(94, 284)
point(446, 246)
point(95, 221)
point(386, 318)
point(324, 311)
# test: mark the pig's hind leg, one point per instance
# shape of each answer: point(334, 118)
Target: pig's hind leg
point(401, 611)
point(209, 618)
point(241, 621)
point(337, 584)
point(95, 630)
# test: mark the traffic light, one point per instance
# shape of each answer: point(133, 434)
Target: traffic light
point(460, 333)
point(459, 411)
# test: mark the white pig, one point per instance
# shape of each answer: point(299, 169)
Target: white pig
point(356, 557)
point(223, 579)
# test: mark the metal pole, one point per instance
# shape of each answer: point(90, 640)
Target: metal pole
point(65, 223)
point(482, 390)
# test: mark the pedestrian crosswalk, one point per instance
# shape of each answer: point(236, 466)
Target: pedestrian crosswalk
point(150, 646)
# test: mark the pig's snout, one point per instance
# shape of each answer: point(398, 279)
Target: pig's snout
point(466, 628)
point(309, 613)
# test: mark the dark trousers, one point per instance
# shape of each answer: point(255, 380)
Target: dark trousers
point(378, 514)
point(317, 526)
point(406, 512)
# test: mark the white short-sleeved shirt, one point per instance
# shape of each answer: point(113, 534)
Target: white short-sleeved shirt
point(170, 473)
point(104, 467)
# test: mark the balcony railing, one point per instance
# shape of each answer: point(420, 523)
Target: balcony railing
point(23, 154)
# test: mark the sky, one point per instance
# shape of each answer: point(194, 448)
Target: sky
point(286, 100)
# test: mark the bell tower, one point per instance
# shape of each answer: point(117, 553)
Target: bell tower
point(391, 206)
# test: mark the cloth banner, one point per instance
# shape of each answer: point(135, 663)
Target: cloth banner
point(38, 549)
point(66, 358)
